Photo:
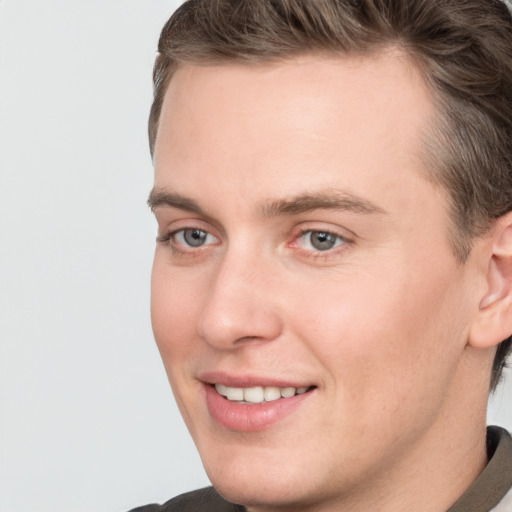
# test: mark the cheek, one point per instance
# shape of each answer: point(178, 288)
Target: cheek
point(174, 311)
point(381, 343)
point(174, 314)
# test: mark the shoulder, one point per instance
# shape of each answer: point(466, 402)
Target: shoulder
point(202, 500)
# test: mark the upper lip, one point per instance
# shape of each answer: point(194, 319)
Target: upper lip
point(249, 381)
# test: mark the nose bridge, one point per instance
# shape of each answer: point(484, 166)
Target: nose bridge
point(239, 305)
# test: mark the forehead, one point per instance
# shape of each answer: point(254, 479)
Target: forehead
point(389, 76)
point(306, 122)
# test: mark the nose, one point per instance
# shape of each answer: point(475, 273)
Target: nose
point(240, 306)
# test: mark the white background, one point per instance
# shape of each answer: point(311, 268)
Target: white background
point(87, 422)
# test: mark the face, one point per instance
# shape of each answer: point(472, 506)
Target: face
point(305, 300)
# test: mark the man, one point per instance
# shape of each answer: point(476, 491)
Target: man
point(332, 284)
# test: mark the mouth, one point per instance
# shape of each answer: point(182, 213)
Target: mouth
point(245, 406)
point(258, 394)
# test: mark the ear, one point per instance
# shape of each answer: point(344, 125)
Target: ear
point(494, 320)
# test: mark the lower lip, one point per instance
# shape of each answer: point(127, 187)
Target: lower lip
point(250, 417)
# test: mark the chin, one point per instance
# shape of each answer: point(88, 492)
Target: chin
point(253, 482)
point(253, 493)
point(280, 494)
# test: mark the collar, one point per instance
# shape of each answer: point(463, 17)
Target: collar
point(496, 479)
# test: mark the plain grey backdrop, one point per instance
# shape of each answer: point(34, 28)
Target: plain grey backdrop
point(87, 420)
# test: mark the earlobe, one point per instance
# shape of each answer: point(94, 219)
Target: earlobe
point(494, 319)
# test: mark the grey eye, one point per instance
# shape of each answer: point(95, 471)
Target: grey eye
point(322, 241)
point(194, 237)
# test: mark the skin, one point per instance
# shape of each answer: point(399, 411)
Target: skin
point(381, 324)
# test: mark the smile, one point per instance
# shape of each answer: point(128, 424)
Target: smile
point(251, 407)
point(258, 394)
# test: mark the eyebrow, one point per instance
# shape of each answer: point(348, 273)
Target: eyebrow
point(159, 197)
point(331, 199)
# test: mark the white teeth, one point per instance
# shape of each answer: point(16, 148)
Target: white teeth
point(287, 392)
point(234, 394)
point(271, 393)
point(221, 389)
point(258, 394)
point(253, 395)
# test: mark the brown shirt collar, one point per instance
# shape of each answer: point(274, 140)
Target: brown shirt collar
point(496, 479)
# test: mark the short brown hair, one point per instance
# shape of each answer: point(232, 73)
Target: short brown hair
point(463, 47)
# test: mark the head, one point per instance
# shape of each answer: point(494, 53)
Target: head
point(461, 48)
point(235, 83)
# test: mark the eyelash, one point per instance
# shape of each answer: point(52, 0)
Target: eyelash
point(341, 242)
point(168, 239)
